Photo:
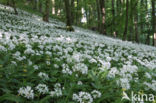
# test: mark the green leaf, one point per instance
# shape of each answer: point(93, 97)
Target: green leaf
point(10, 97)
point(45, 99)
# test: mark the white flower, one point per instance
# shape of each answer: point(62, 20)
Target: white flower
point(35, 67)
point(92, 61)
point(125, 83)
point(67, 71)
point(57, 90)
point(44, 76)
point(48, 62)
point(75, 97)
point(80, 67)
point(96, 94)
point(30, 62)
point(42, 89)
point(56, 66)
point(106, 65)
point(83, 97)
point(113, 72)
point(148, 75)
point(26, 92)
point(108, 59)
point(80, 83)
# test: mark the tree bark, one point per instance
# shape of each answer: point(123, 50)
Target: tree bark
point(72, 11)
point(130, 37)
point(126, 21)
point(141, 16)
point(103, 14)
point(35, 4)
point(147, 25)
point(136, 22)
point(98, 14)
point(113, 19)
point(77, 9)
point(153, 23)
point(68, 15)
point(40, 6)
point(46, 13)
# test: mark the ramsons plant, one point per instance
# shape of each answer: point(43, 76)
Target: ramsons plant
point(42, 64)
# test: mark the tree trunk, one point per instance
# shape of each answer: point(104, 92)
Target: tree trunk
point(141, 16)
point(98, 13)
point(103, 13)
point(77, 9)
point(153, 23)
point(113, 20)
point(72, 11)
point(136, 22)
point(147, 25)
point(126, 21)
point(40, 6)
point(130, 37)
point(35, 4)
point(14, 6)
point(46, 13)
point(68, 15)
point(53, 7)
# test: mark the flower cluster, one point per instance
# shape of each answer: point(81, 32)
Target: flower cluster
point(27, 92)
point(55, 62)
point(42, 89)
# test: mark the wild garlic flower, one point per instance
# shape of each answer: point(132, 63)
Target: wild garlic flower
point(96, 94)
point(83, 97)
point(42, 88)
point(26, 92)
point(57, 90)
point(80, 67)
point(79, 83)
point(43, 76)
point(35, 67)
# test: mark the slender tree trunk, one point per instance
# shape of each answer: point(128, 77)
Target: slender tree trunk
point(77, 9)
point(34, 2)
point(153, 23)
point(68, 15)
point(14, 6)
point(40, 6)
point(126, 21)
point(103, 14)
point(72, 11)
point(141, 16)
point(113, 20)
point(147, 25)
point(98, 14)
point(46, 13)
point(53, 7)
point(131, 21)
point(136, 22)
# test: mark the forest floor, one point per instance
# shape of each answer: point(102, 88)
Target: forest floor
point(43, 63)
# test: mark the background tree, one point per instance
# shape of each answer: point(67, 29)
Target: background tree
point(68, 15)
point(154, 22)
point(40, 6)
point(136, 20)
point(103, 17)
point(126, 21)
point(46, 12)
point(132, 20)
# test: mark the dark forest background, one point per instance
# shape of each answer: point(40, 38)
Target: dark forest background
point(131, 20)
